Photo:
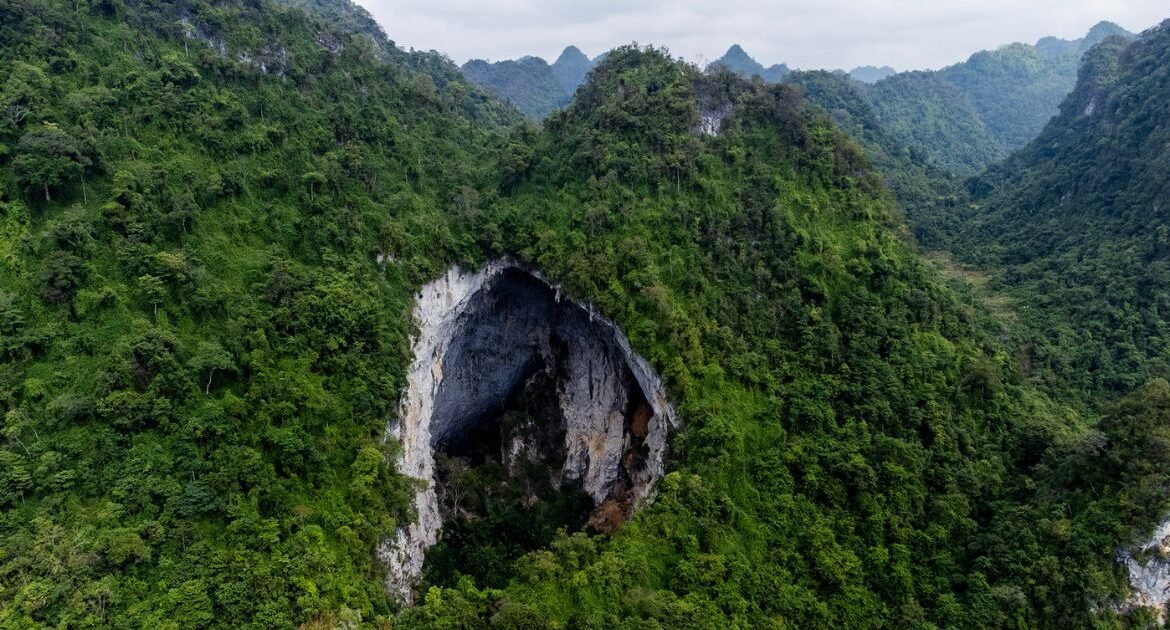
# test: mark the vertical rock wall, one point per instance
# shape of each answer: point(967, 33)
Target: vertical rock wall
point(1149, 571)
point(482, 337)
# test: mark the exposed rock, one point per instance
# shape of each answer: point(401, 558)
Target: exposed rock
point(1149, 571)
point(711, 118)
point(608, 516)
point(483, 336)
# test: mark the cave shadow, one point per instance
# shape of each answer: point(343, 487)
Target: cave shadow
point(538, 424)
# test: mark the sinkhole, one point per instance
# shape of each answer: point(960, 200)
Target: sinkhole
point(524, 411)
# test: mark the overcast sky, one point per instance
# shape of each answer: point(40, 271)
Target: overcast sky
point(906, 34)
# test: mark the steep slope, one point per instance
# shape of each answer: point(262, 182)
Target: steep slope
point(924, 110)
point(530, 83)
point(1056, 47)
point(347, 17)
point(969, 115)
point(215, 222)
point(198, 347)
point(856, 448)
point(571, 68)
point(738, 61)
point(1016, 88)
point(1074, 221)
point(927, 194)
point(344, 15)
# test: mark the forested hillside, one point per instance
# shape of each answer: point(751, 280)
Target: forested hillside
point(531, 84)
point(1074, 224)
point(859, 450)
point(957, 120)
point(214, 218)
point(198, 350)
point(971, 114)
point(926, 194)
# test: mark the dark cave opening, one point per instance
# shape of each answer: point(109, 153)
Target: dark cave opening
point(524, 414)
point(534, 389)
point(497, 505)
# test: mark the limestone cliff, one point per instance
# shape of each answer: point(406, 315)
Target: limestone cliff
point(482, 337)
point(1149, 571)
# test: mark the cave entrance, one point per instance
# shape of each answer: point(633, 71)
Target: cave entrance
point(501, 489)
point(527, 380)
point(524, 413)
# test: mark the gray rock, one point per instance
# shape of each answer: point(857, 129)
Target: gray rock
point(482, 337)
point(1149, 571)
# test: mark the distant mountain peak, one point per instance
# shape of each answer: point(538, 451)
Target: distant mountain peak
point(1102, 30)
point(737, 60)
point(572, 54)
point(571, 68)
point(871, 74)
point(533, 85)
point(737, 51)
point(1054, 46)
point(1110, 28)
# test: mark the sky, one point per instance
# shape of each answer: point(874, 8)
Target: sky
point(905, 34)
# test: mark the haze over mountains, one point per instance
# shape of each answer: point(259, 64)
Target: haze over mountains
point(538, 88)
point(530, 83)
point(738, 61)
point(1076, 221)
point(970, 114)
point(685, 356)
point(962, 117)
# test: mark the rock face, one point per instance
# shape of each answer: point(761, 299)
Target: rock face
point(1149, 571)
point(485, 336)
point(711, 118)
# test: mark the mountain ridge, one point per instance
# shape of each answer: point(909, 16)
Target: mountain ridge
point(1082, 201)
point(534, 86)
point(737, 60)
point(216, 219)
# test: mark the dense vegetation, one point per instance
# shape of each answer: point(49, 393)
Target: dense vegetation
point(957, 120)
point(926, 194)
point(859, 450)
point(528, 83)
point(198, 351)
point(536, 88)
point(1074, 227)
point(214, 216)
point(971, 114)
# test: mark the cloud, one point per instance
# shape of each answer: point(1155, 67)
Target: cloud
point(823, 34)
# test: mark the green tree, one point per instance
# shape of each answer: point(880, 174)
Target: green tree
point(47, 157)
point(153, 290)
point(209, 357)
point(61, 274)
point(11, 316)
point(314, 180)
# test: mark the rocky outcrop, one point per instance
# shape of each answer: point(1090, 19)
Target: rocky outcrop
point(485, 336)
point(1149, 571)
point(711, 118)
